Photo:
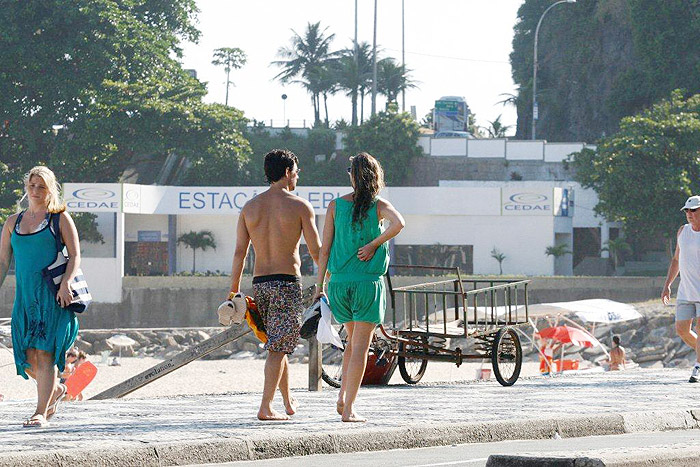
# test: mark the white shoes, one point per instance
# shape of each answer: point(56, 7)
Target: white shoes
point(233, 311)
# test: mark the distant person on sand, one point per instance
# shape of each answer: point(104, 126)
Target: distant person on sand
point(356, 253)
point(617, 355)
point(274, 222)
point(686, 260)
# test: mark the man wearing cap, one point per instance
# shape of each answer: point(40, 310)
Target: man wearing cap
point(686, 260)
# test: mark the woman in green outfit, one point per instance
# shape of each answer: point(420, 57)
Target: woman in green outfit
point(42, 330)
point(355, 253)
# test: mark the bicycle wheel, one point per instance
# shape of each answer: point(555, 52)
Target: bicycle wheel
point(332, 360)
point(412, 369)
point(506, 356)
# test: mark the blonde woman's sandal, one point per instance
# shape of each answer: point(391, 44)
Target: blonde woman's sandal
point(36, 421)
point(53, 407)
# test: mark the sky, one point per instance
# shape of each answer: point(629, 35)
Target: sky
point(453, 47)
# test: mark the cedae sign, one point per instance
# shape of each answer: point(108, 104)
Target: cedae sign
point(90, 197)
point(531, 203)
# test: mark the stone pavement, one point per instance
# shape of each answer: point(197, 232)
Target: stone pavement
point(217, 428)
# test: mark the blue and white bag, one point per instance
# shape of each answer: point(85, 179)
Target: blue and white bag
point(53, 273)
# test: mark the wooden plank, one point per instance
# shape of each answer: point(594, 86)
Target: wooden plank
point(315, 369)
point(167, 366)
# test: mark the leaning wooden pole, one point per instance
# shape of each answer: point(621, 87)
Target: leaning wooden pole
point(167, 366)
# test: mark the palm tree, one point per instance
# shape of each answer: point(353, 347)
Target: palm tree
point(304, 60)
point(229, 58)
point(558, 250)
point(617, 247)
point(353, 70)
point(500, 257)
point(197, 241)
point(392, 78)
point(497, 129)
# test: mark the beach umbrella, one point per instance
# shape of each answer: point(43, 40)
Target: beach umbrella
point(600, 310)
point(120, 340)
point(569, 335)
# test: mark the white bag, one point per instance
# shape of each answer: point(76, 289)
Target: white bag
point(326, 333)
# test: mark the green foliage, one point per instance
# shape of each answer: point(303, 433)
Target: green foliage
point(602, 60)
point(201, 240)
point(497, 129)
point(390, 137)
point(644, 173)
point(231, 58)
point(107, 75)
point(500, 257)
point(319, 141)
point(617, 248)
point(86, 224)
point(392, 79)
point(558, 250)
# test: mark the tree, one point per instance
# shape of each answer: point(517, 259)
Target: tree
point(392, 79)
point(558, 250)
point(496, 129)
point(500, 257)
point(304, 60)
point(86, 224)
point(644, 172)
point(197, 241)
point(617, 247)
point(600, 61)
point(353, 70)
point(114, 86)
point(230, 58)
point(390, 137)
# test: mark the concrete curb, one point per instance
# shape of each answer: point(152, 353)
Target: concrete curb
point(332, 442)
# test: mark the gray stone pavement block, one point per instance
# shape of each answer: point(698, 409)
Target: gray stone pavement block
point(528, 461)
point(218, 428)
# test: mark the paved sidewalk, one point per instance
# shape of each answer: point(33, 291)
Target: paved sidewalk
point(223, 427)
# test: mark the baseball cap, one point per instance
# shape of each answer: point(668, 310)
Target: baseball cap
point(692, 203)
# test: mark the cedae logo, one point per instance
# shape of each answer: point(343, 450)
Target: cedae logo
point(93, 198)
point(132, 198)
point(527, 202)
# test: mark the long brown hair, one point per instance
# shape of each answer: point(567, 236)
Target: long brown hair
point(368, 181)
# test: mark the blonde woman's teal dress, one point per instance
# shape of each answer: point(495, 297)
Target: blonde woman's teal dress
point(38, 321)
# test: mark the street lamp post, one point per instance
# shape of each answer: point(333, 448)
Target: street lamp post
point(374, 63)
point(534, 67)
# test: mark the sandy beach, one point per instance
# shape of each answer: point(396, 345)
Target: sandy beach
point(213, 376)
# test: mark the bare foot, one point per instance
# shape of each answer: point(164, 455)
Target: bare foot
point(266, 415)
point(353, 417)
point(58, 395)
point(339, 407)
point(291, 406)
point(36, 421)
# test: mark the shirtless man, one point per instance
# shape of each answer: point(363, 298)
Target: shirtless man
point(274, 221)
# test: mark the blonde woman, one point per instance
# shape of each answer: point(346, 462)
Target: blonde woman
point(42, 330)
point(355, 252)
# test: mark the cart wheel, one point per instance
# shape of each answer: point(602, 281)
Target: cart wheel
point(506, 356)
point(332, 360)
point(412, 369)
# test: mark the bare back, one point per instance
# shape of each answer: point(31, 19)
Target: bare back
point(274, 220)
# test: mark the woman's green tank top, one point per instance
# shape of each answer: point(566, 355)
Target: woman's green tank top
point(343, 263)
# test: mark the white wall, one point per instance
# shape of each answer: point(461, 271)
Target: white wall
point(523, 240)
point(448, 147)
point(486, 148)
point(557, 152)
point(525, 150)
point(223, 229)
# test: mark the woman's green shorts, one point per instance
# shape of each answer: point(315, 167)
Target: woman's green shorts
point(358, 300)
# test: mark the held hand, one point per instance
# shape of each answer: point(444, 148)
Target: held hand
point(366, 252)
point(666, 295)
point(64, 297)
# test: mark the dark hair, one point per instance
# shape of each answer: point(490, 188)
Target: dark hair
point(277, 162)
point(368, 178)
point(616, 340)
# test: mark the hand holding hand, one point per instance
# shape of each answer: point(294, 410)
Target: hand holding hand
point(366, 252)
